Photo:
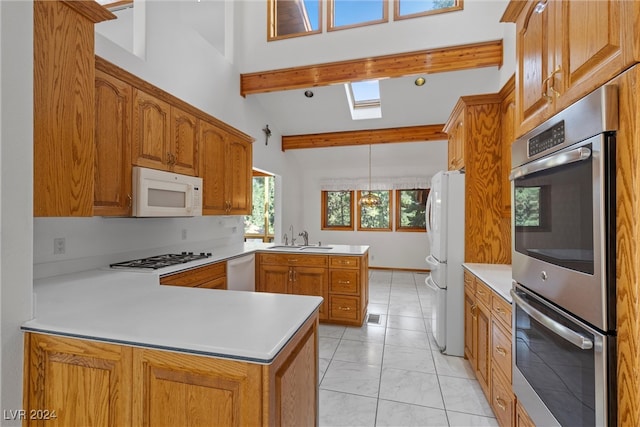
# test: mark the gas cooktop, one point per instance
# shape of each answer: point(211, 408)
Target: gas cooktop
point(161, 261)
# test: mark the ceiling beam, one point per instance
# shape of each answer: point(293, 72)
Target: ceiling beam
point(365, 137)
point(462, 57)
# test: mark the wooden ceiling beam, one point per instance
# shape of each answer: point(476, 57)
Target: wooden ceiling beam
point(476, 55)
point(365, 137)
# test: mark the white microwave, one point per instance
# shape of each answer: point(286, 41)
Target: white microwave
point(165, 194)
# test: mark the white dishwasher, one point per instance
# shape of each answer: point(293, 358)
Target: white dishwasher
point(241, 273)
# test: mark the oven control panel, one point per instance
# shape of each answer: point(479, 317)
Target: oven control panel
point(547, 139)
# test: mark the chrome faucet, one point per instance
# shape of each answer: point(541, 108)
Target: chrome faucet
point(286, 239)
point(293, 239)
point(305, 236)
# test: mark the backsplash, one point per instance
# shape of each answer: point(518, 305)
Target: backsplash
point(85, 243)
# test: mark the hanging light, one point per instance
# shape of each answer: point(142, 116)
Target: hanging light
point(369, 200)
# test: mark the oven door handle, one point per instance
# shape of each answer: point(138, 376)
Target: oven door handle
point(560, 159)
point(561, 330)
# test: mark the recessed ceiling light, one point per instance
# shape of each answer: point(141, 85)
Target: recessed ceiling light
point(308, 94)
point(420, 81)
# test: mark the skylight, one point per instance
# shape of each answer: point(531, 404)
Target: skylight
point(364, 99)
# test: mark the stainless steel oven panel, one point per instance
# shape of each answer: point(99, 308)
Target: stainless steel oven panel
point(595, 113)
point(594, 342)
point(583, 294)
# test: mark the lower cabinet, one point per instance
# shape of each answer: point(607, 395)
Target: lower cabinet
point(212, 276)
point(79, 382)
point(341, 280)
point(477, 331)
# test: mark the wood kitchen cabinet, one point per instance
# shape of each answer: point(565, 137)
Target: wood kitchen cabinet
point(507, 136)
point(63, 106)
point(456, 142)
point(348, 289)
point(112, 183)
point(294, 274)
point(165, 137)
point(566, 49)
point(226, 170)
point(475, 123)
point(83, 382)
point(212, 276)
point(522, 418)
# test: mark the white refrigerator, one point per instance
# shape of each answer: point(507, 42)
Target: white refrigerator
point(445, 231)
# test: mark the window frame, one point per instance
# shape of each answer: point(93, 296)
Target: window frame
point(266, 236)
point(324, 211)
point(272, 22)
point(398, 211)
point(459, 5)
point(331, 17)
point(389, 208)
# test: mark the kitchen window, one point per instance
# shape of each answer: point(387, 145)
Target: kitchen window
point(259, 225)
point(337, 210)
point(404, 9)
point(410, 210)
point(375, 218)
point(356, 13)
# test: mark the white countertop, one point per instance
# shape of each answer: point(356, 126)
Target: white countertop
point(132, 308)
point(496, 276)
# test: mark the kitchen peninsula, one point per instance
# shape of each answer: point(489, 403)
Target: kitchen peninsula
point(116, 345)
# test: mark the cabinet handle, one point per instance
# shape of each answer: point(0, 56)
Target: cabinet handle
point(501, 403)
point(546, 87)
point(290, 275)
point(473, 311)
point(501, 351)
point(129, 201)
point(500, 310)
point(344, 308)
point(295, 276)
point(344, 282)
point(292, 259)
point(479, 292)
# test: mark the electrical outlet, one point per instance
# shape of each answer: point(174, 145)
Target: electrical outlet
point(59, 246)
point(184, 234)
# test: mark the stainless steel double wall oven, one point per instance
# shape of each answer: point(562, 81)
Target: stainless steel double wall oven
point(563, 198)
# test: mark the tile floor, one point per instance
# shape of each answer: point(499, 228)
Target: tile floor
point(391, 374)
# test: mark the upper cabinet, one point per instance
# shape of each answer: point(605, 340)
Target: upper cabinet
point(63, 106)
point(566, 49)
point(455, 130)
point(225, 167)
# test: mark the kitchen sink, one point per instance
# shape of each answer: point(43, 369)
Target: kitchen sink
point(324, 248)
point(299, 248)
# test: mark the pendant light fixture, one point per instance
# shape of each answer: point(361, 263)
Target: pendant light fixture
point(370, 200)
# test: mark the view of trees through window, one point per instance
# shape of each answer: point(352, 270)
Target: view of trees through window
point(260, 223)
point(375, 217)
point(411, 207)
point(411, 8)
point(337, 209)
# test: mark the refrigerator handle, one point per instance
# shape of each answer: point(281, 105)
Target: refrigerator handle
point(428, 213)
point(433, 263)
point(431, 284)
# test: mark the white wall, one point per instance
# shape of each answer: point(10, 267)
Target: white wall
point(388, 249)
point(16, 194)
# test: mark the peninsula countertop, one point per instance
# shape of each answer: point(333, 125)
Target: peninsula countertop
point(131, 308)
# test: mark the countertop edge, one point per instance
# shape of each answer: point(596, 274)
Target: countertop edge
point(496, 276)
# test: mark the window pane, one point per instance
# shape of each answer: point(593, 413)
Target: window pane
point(425, 7)
point(411, 208)
point(354, 12)
point(293, 17)
point(338, 209)
point(376, 217)
point(262, 215)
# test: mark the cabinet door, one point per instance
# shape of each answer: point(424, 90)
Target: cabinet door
point(174, 389)
point(456, 144)
point(183, 151)
point(483, 347)
point(78, 382)
point(469, 322)
point(151, 130)
point(311, 281)
point(275, 278)
point(212, 168)
point(589, 43)
point(112, 185)
point(238, 176)
point(507, 122)
point(535, 64)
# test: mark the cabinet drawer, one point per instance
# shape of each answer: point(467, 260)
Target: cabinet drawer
point(483, 293)
point(501, 349)
point(502, 399)
point(294, 259)
point(344, 281)
point(469, 282)
point(345, 308)
point(219, 283)
point(196, 276)
point(501, 310)
point(344, 262)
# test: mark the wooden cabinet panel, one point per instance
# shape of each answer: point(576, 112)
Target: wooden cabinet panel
point(483, 293)
point(210, 276)
point(503, 400)
point(151, 131)
point(343, 308)
point(344, 262)
point(81, 382)
point(112, 183)
point(522, 417)
point(239, 176)
point(469, 337)
point(64, 107)
point(507, 136)
point(294, 259)
point(501, 349)
point(501, 311)
point(183, 148)
point(274, 278)
point(310, 281)
point(483, 347)
point(181, 389)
